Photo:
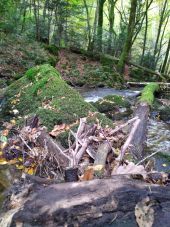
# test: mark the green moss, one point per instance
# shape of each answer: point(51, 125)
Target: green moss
point(148, 93)
point(42, 91)
point(53, 49)
point(111, 103)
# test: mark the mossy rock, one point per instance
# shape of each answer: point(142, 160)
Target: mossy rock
point(111, 103)
point(41, 91)
point(165, 114)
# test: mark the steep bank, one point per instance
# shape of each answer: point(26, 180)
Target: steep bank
point(18, 54)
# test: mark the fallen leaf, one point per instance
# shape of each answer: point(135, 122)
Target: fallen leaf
point(145, 213)
point(88, 175)
point(3, 161)
point(5, 132)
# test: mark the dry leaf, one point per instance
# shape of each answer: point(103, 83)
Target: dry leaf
point(88, 175)
point(3, 161)
point(5, 132)
point(145, 213)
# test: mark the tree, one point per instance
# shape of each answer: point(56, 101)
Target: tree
point(163, 15)
point(164, 66)
point(89, 47)
point(112, 4)
point(100, 24)
point(128, 42)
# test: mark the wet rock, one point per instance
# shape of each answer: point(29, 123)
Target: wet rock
point(114, 106)
point(165, 114)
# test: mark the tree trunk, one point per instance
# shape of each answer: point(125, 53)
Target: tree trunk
point(145, 35)
point(166, 58)
point(138, 142)
point(100, 24)
point(24, 17)
point(89, 48)
point(112, 4)
point(36, 15)
point(128, 42)
point(106, 202)
point(162, 18)
point(161, 40)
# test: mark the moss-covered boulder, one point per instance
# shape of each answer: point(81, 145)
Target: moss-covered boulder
point(114, 106)
point(41, 91)
point(111, 103)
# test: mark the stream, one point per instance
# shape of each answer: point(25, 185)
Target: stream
point(158, 138)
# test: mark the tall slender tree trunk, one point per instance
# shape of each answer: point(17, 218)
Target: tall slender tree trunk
point(166, 58)
point(159, 31)
point(145, 39)
point(36, 15)
point(88, 26)
point(94, 29)
point(112, 4)
point(145, 35)
point(100, 24)
point(160, 43)
point(24, 18)
point(128, 41)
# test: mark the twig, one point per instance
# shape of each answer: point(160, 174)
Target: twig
point(27, 146)
point(124, 125)
point(149, 156)
point(61, 151)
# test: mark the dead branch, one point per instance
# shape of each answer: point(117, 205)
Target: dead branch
point(129, 139)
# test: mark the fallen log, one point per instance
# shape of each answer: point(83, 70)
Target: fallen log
point(138, 140)
point(120, 201)
point(142, 84)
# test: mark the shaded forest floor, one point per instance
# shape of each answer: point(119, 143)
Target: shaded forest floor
point(18, 54)
point(78, 70)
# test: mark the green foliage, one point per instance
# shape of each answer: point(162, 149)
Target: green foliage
point(148, 61)
point(148, 93)
point(53, 49)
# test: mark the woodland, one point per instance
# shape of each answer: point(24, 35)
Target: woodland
point(84, 113)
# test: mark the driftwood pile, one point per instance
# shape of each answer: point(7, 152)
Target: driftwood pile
point(92, 152)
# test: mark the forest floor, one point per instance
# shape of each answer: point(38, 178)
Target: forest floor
point(18, 54)
point(79, 70)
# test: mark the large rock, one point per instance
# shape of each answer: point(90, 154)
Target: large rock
point(114, 106)
point(42, 91)
point(165, 113)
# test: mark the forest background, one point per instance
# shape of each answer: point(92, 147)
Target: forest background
point(136, 29)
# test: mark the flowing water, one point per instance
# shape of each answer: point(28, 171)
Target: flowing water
point(94, 95)
point(158, 138)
